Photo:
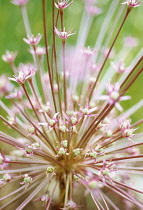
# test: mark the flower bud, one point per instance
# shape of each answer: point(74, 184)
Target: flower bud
point(92, 184)
point(27, 179)
point(93, 154)
point(75, 98)
point(105, 171)
point(61, 151)
point(73, 120)
point(76, 152)
point(63, 128)
point(6, 177)
point(50, 169)
point(65, 143)
point(108, 133)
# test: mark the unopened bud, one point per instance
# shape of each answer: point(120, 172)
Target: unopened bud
point(73, 120)
point(29, 149)
point(31, 130)
point(65, 143)
point(85, 111)
point(92, 184)
point(93, 154)
point(75, 98)
point(6, 177)
point(105, 171)
point(27, 179)
point(61, 151)
point(63, 128)
point(52, 122)
point(108, 133)
point(50, 169)
point(114, 95)
point(76, 152)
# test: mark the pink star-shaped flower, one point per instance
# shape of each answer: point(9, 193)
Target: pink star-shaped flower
point(63, 34)
point(132, 3)
point(63, 4)
point(33, 40)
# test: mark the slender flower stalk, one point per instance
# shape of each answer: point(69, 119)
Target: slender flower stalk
point(67, 133)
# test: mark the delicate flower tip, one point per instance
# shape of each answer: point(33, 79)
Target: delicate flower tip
point(17, 94)
point(63, 4)
point(31, 40)
point(12, 120)
point(126, 129)
point(65, 143)
point(44, 199)
point(26, 180)
point(50, 169)
point(25, 72)
point(9, 57)
point(88, 51)
point(113, 96)
point(6, 177)
point(92, 184)
point(39, 51)
point(31, 130)
point(5, 85)
point(70, 206)
point(63, 34)
point(131, 41)
point(93, 10)
point(119, 67)
point(132, 3)
point(19, 2)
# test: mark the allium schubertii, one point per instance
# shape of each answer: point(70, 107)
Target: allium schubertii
point(71, 145)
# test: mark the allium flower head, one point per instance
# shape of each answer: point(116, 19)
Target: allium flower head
point(67, 142)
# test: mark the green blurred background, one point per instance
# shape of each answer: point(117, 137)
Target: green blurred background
point(13, 32)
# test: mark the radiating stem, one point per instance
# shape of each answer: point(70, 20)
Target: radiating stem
point(47, 54)
point(55, 56)
point(106, 58)
point(64, 75)
point(28, 97)
point(67, 190)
